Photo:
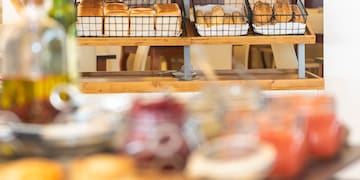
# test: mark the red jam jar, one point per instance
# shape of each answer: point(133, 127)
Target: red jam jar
point(155, 136)
point(325, 135)
point(285, 130)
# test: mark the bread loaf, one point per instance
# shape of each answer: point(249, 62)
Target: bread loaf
point(114, 7)
point(171, 9)
point(91, 4)
point(238, 18)
point(262, 12)
point(116, 23)
point(89, 12)
point(142, 22)
point(89, 21)
point(168, 19)
point(298, 17)
point(282, 12)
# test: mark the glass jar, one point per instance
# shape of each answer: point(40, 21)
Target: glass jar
point(155, 134)
point(34, 63)
point(325, 135)
point(282, 126)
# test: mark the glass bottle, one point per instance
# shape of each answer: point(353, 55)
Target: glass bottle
point(34, 63)
point(63, 11)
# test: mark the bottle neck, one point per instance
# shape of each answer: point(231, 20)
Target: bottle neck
point(59, 3)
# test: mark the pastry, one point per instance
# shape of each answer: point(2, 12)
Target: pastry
point(168, 19)
point(116, 23)
point(228, 18)
point(89, 21)
point(200, 17)
point(218, 15)
point(298, 17)
point(282, 12)
point(142, 22)
point(238, 18)
point(262, 12)
point(32, 168)
point(102, 166)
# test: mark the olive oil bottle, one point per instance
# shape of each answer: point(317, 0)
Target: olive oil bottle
point(35, 61)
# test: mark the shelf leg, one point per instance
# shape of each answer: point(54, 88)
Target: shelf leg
point(187, 64)
point(301, 60)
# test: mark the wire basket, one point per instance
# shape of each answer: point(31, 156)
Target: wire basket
point(221, 17)
point(278, 17)
point(89, 20)
point(136, 18)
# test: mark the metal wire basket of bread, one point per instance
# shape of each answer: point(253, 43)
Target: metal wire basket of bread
point(89, 20)
point(278, 17)
point(221, 17)
point(136, 18)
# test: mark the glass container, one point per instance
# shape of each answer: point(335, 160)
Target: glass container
point(34, 63)
point(325, 135)
point(282, 126)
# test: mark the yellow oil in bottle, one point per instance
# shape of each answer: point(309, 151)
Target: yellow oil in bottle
point(29, 98)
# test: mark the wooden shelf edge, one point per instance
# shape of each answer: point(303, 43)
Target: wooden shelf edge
point(191, 86)
point(133, 41)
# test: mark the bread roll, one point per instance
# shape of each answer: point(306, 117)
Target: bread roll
point(228, 18)
point(32, 168)
point(298, 17)
point(262, 12)
point(282, 12)
point(207, 17)
point(200, 17)
point(238, 18)
point(218, 15)
point(102, 167)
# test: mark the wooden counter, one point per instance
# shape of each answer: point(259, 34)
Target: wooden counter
point(319, 170)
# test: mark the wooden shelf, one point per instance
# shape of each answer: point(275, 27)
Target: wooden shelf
point(134, 41)
point(153, 81)
point(190, 37)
